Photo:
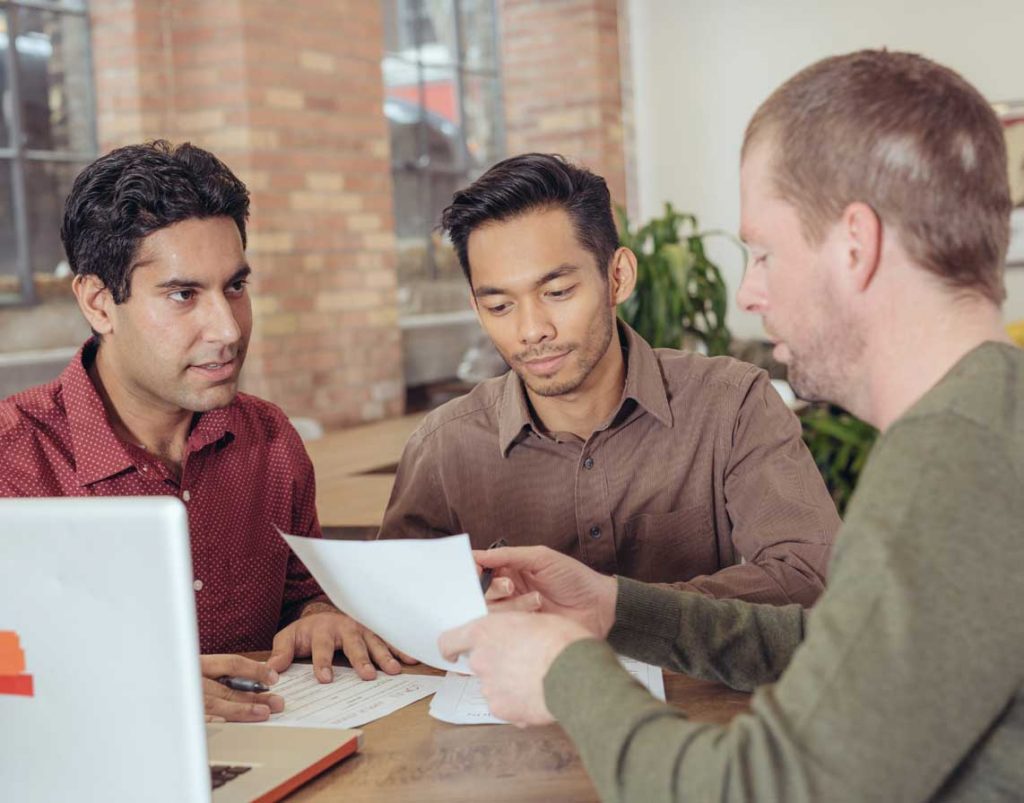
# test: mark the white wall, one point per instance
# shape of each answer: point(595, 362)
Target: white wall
point(700, 69)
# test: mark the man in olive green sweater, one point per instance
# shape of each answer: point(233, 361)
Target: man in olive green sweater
point(875, 205)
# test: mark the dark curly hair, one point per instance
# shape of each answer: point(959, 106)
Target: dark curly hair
point(531, 182)
point(133, 191)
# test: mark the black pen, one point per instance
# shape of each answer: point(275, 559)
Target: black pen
point(242, 684)
point(488, 574)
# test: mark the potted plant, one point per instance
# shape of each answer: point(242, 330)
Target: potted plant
point(840, 444)
point(680, 293)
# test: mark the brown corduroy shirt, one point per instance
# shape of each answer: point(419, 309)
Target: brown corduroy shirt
point(699, 479)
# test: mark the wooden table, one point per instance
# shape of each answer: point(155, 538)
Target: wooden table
point(355, 471)
point(408, 757)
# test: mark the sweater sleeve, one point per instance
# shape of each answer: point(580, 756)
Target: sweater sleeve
point(741, 644)
point(910, 663)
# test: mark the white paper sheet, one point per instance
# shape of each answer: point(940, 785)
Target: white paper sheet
point(348, 702)
point(647, 675)
point(460, 701)
point(406, 591)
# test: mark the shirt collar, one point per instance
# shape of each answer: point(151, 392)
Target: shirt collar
point(214, 426)
point(644, 384)
point(99, 453)
point(513, 413)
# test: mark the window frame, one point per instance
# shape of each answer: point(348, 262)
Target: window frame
point(422, 167)
point(16, 156)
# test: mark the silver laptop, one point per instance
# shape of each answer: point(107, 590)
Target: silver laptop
point(100, 693)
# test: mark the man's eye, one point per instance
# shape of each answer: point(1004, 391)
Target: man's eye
point(563, 293)
point(182, 296)
point(498, 309)
point(238, 288)
point(756, 260)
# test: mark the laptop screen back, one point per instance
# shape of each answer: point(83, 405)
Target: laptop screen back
point(100, 695)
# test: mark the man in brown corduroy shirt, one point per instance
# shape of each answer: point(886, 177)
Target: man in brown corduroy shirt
point(656, 464)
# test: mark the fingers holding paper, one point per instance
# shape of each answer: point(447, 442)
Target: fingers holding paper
point(501, 597)
point(227, 705)
point(511, 653)
point(545, 580)
point(319, 635)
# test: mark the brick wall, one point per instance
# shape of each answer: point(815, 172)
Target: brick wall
point(290, 97)
point(563, 83)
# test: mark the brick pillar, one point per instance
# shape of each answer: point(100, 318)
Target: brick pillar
point(563, 84)
point(290, 98)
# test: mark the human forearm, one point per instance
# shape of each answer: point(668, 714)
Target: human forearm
point(603, 709)
point(780, 575)
point(637, 748)
point(738, 643)
point(318, 604)
point(302, 598)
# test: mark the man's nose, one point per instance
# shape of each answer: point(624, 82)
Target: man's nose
point(751, 295)
point(534, 323)
point(221, 324)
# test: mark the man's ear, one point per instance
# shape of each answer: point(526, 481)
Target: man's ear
point(621, 276)
point(95, 302)
point(862, 239)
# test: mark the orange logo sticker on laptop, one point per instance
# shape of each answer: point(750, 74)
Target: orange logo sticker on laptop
point(13, 679)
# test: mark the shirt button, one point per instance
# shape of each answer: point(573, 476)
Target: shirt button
point(187, 497)
point(588, 463)
point(198, 585)
point(595, 532)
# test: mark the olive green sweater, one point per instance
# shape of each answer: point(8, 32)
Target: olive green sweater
point(904, 683)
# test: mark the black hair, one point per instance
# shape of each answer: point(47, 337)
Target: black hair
point(134, 191)
point(532, 182)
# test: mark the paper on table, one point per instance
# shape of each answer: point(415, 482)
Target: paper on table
point(460, 701)
point(406, 591)
point(647, 675)
point(348, 702)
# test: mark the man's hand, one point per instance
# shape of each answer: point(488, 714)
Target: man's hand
point(320, 634)
point(511, 653)
point(550, 582)
point(501, 597)
point(227, 705)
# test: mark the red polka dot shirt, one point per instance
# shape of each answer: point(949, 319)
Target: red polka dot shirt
point(245, 471)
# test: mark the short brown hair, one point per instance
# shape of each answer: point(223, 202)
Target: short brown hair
point(907, 136)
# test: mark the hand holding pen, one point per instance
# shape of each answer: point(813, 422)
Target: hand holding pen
point(242, 684)
point(487, 575)
point(504, 596)
point(236, 689)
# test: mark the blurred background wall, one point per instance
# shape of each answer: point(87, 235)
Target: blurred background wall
point(353, 121)
point(700, 70)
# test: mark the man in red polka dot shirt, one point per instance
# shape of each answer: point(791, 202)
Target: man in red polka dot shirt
point(155, 236)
